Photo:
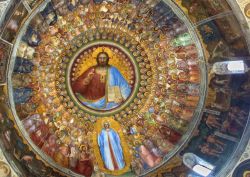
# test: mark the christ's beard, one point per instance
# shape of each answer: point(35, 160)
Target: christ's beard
point(102, 64)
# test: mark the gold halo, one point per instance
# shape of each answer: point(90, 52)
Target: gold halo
point(102, 49)
point(247, 10)
point(106, 121)
point(83, 147)
point(246, 173)
point(248, 13)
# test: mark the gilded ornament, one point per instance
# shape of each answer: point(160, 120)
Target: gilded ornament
point(127, 44)
point(247, 10)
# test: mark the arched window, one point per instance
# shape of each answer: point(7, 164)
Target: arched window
point(230, 67)
point(197, 165)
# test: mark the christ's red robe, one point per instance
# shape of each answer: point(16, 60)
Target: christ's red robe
point(92, 90)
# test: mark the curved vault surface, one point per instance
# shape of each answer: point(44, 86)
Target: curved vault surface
point(121, 88)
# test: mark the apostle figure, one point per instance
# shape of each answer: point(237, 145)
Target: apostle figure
point(22, 95)
point(23, 65)
point(150, 159)
point(110, 147)
point(62, 156)
point(32, 37)
point(72, 4)
point(50, 146)
point(49, 14)
point(102, 86)
point(84, 164)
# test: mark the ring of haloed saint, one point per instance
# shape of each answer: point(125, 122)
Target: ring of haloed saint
point(131, 90)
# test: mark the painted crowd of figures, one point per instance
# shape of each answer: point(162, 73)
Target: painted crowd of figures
point(223, 121)
point(183, 76)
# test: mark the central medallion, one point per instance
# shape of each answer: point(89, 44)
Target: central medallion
point(103, 77)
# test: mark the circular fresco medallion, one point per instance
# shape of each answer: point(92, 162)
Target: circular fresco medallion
point(104, 77)
point(106, 88)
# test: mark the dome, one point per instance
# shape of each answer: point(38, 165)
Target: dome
point(124, 87)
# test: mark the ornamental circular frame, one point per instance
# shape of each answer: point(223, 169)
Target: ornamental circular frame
point(132, 95)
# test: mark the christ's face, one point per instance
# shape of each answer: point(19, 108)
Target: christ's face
point(102, 59)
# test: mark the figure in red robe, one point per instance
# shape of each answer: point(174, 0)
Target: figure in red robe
point(84, 165)
point(102, 86)
point(169, 134)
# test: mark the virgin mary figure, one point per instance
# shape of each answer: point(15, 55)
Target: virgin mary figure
point(110, 147)
point(102, 86)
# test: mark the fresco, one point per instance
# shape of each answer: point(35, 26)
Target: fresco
point(246, 10)
point(201, 10)
point(223, 122)
point(224, 44)
point(102, 86)
point(12, 6)
point(82, 90)
point(13, 146)
point(32, 3)
point(4, 56)
point(14, 23)
point(122, 88)
point(226, 113)
point(242, 170)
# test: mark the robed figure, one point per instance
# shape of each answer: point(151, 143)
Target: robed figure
point(110, 147)
point(102, 86)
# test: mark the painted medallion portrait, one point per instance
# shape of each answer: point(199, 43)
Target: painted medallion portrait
point(102, 78)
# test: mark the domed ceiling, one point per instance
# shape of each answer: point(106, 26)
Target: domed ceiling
point(122, 88)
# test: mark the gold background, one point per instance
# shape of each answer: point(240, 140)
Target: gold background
point(117, 59)
point(126, 153)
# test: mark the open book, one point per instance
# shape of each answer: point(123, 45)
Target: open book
point(114, 94)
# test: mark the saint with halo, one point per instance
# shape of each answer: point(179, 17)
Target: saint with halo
point(110, 148)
